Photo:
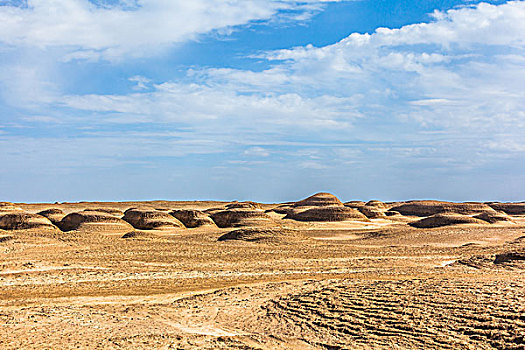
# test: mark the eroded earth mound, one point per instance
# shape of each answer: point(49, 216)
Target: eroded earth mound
point(241, 217)
point(440, 220)
point(319, 199)
point(428, 208)
point(111, 211)
point(263, 235)
point(327, 213)
point(151, 219)
point(192, 218)
point(53, 214)
point(493, 218)
point(92, 221)
point(509, 208)
point(19, 220)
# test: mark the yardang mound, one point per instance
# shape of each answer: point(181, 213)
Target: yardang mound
point(510, 208)
point(151, 219)
point(509, 257)
point(8, 206)
point(53, 214)
point(493, 218)
point(376, 203)
point(428, 208)
point(241, 217)
point(329, 213)
point(192, 218)
point(372, 212)
point(91, 221)
point(243, 205)
point(440, 220)
point(355, 204)
point(319, 200)
point(262, 235)
point(111, 211)
point(20, 220)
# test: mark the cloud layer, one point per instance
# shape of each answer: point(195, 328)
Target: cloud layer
point(94, 29)
point(439, 103)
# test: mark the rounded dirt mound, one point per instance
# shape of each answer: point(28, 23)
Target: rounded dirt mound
point(151, 219)
point(24, 221)
point(493, 218)
point(138, 235)
point(282, 209)
point(327, 214)
point(376, 203)
point(428, 208)
point(372, 212)
point(192, 218)
point(241, 217)
point(8, 206)
point(243, 205)
point(111, 211)
point(510, 208)
point(509, 257)
point(91, 221)
point(54, 214)
point(440, 220)
point(319, 200)
point(355, 204)
point(270, 235)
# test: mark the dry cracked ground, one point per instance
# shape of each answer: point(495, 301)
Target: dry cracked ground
point(375, 282)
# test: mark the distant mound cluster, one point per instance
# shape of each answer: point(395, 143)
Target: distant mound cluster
point(320, 207)
point(257, 222)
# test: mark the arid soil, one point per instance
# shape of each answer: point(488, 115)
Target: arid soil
point(333, 282)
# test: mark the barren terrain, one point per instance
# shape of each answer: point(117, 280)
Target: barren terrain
point(364, 276)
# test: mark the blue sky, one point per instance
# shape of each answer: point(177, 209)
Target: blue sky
point(267, 100)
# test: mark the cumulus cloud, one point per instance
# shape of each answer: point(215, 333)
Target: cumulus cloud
point(100, 29)
point(204, 107)
point(443, 75)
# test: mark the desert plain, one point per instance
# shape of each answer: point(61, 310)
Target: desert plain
point(317, 273)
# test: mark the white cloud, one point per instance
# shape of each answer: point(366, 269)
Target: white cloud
point(391, 84)
point(142, 83)
point(256, 152)
point(133, 28)
point(202, 108)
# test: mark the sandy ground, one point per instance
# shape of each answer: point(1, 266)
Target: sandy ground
point(377, 285)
